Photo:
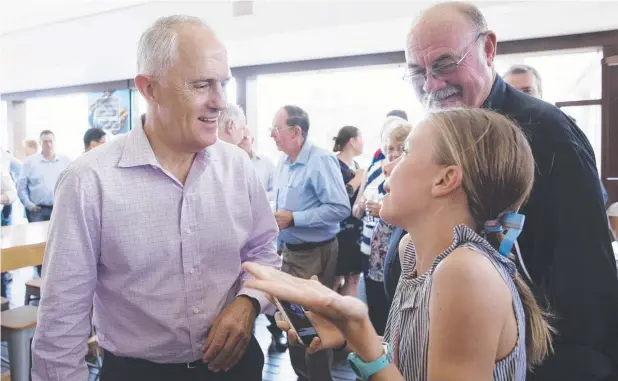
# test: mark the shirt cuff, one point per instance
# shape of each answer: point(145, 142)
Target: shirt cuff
point(300, 218)
point(266, 307)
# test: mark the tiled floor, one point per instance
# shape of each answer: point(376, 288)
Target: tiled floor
point(277, 366)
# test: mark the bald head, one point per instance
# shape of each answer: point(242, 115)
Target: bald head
point(450, 55)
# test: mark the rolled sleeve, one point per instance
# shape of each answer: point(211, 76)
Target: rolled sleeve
point(70, 275)
point(261, 245)
point(330, 191)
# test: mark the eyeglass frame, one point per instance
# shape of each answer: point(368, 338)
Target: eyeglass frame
point(273, 129)
point(408, 77)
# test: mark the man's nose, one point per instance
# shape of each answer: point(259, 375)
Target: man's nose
point(218, 98)
point(432, 84)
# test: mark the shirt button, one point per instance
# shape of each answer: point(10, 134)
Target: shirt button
point(196, 310)
point(192, 270)
point(188, 231)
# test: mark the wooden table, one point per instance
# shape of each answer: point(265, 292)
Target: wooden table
point(23, 245)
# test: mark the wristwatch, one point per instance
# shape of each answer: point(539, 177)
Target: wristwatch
point(364, 370)
point(349, 189)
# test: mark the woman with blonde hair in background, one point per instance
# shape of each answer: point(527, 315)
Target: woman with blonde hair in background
point(461, 310)
point(377, 302)
point(30, 147)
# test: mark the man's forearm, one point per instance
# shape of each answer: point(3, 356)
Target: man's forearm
point(326, 214)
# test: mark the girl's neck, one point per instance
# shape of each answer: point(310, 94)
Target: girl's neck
point(347, 156)
point(433, 236)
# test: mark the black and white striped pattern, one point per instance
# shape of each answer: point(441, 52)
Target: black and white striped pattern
point(408, 321)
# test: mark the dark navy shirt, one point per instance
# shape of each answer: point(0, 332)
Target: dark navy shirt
point(566, 243)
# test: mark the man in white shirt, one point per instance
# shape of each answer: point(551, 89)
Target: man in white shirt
point(266, 172)
point(263, 166)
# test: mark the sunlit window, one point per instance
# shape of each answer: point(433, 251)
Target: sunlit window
point(571, 75)
point(4, 128)
point(566, 75)
point(359, 97)
point(66, 116)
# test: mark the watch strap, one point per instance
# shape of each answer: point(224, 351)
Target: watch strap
point(365, 370)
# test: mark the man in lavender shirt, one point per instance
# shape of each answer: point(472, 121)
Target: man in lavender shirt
point(152, 229)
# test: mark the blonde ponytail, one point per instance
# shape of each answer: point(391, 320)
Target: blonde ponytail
point(538, 331)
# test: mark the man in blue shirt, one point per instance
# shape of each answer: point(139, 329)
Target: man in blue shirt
point(38, 179)
point(311, 201)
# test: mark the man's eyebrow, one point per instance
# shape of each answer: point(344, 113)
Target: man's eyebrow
point(443, 57)
point(209, 79)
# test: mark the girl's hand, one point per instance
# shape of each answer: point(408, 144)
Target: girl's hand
point(329, 311)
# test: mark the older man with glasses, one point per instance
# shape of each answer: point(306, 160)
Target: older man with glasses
point(310, 202)
point(565, 244)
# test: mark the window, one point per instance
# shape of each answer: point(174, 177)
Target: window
point(359, 97)
point(573, 75)
point(66, 116)
point(566, 75)
point(4, 128)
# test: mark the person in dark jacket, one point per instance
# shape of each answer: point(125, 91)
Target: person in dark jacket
point(565, 244)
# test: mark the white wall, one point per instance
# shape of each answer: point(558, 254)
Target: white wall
point(102, 47)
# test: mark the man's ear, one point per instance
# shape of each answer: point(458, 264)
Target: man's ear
point(489, 48)
point(146, 86)
point(448, 180)
point(230, 126)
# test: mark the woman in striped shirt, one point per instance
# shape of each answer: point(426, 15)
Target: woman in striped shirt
point(461, 310)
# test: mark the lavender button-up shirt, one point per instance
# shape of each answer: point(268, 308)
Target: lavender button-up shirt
point(159, 260)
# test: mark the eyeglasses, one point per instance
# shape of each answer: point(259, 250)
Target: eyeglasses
point(440, 70)
point(278, 130)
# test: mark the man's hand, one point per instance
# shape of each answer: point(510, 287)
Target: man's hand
point(284, 218)
point(35, 209)
point(230, 334)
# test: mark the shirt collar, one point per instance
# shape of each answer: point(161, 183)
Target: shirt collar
point(138, 151)
point(42, 158)
point(495, 99)
point(303, 155)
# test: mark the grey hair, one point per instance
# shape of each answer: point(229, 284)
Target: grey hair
point(389, 125)
point(469, 11)
point(474, 15)
point(233, 113)
point(157, 50)
point(523, 69)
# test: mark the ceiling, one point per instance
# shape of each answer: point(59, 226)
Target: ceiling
point(72, 36)
point(24, 14)
point(270, 16)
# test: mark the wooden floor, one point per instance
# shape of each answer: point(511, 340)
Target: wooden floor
point(277, 366)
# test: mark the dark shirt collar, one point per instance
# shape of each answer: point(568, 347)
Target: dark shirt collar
point(495, 100)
